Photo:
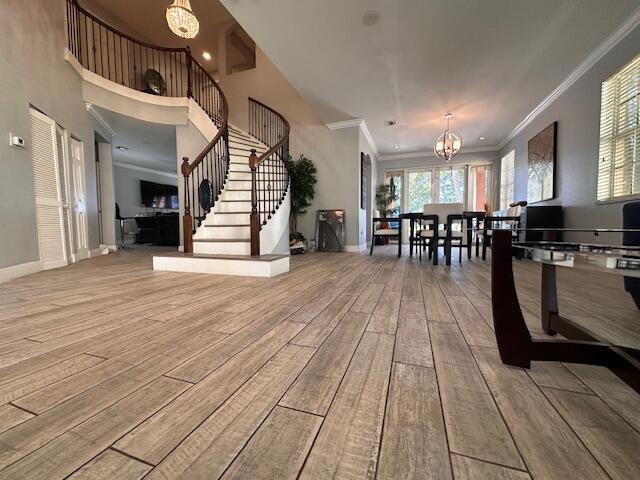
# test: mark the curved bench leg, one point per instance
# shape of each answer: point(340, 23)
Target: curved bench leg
point(512, 334)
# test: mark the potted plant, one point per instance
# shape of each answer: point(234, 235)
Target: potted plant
point(386, 198)
point(302, 174)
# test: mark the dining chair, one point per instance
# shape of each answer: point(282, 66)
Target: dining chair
point(381, 231)
point(511, 220)
point(451, 229)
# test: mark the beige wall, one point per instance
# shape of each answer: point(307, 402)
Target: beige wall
point(334, 153)
point(34, 72)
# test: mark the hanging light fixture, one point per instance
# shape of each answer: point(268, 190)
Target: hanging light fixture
point(181, 19)
point(448, 144)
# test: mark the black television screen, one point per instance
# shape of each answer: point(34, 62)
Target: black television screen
point(156, 195)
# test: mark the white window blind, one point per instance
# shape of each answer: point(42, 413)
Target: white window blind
point(507, 174)
point(619, 154)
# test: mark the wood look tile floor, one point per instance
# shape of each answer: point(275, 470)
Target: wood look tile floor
point(349, 366)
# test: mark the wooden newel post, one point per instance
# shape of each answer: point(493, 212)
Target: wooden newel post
point(255, 218)
point(187, 221)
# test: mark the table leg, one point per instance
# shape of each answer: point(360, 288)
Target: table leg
point(512, 334)
point(400, 238)
point(549, 299)
point(411, 228)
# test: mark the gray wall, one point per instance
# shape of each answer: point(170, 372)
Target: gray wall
point(577, 112)
point(127, 188)
point(34, 72)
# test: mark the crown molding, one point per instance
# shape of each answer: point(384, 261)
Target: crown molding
point(429, 153)
point(145, 169)
point(611, 41)
point(100, 119)
point(356, 122)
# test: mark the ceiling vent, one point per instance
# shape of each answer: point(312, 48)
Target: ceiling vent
point(370, 18)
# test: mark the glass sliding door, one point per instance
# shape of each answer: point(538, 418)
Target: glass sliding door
point(420, 190)
point(451, 184)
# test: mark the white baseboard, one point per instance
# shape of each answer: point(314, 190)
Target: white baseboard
point(17, 271)
point(101, 250)
point(356, 248)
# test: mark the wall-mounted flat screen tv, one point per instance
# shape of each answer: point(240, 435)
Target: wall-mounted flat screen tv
point(157, 195)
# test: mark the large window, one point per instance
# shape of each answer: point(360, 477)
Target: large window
point(466, 184)
point(420, 190)
point(506, 179)
point(451, 184)
point(619, 155)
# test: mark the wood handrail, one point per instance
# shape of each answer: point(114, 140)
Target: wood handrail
point(221, 131)
point(272, 129)
point(122, 34)
point(284, 138)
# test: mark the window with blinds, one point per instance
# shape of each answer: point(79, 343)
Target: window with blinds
point(619, 154)
point(507, 179)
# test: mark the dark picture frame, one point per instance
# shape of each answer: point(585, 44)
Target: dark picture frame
point(541, 172)
point(365, 167)
point(331, 234)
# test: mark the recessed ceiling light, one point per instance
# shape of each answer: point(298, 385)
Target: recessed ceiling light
point(206, 55)
point(120, 147)
point(389, 123)
point(370, 18)
point(481, 138)
point(396, 147)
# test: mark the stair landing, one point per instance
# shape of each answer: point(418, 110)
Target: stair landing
point(240, 265)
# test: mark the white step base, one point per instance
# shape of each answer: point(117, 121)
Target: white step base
point(224, 232)
point(221, 248)
point(245, 266)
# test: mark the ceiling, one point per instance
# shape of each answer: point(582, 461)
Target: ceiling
point(149, 145)
point(489, 62)
point(145, 20)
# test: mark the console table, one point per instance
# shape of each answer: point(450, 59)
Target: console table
point(515, 344)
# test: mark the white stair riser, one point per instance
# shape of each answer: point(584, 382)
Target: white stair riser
point(234, 195)
point(232, 207)
point(222, 248)
point(260, 184)
point(225, 232)
point(227, 219)
point(239, 175)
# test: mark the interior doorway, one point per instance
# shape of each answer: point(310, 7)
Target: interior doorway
point(59, 192)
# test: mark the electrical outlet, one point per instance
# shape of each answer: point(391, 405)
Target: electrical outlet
point(16, 141)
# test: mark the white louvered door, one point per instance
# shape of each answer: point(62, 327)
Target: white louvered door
point(79, 199)
point(48, 195)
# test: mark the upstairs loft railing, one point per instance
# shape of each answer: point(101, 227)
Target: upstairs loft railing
point(269, 174)
point(171, 72)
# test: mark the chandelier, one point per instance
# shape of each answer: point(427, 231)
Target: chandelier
point(181, 19)
point(448, 144)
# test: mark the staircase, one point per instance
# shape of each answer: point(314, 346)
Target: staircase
point(234, 194)
point(226, 228)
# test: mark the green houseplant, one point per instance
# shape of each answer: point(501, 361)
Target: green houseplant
point(302, 173)
point(386, 197)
